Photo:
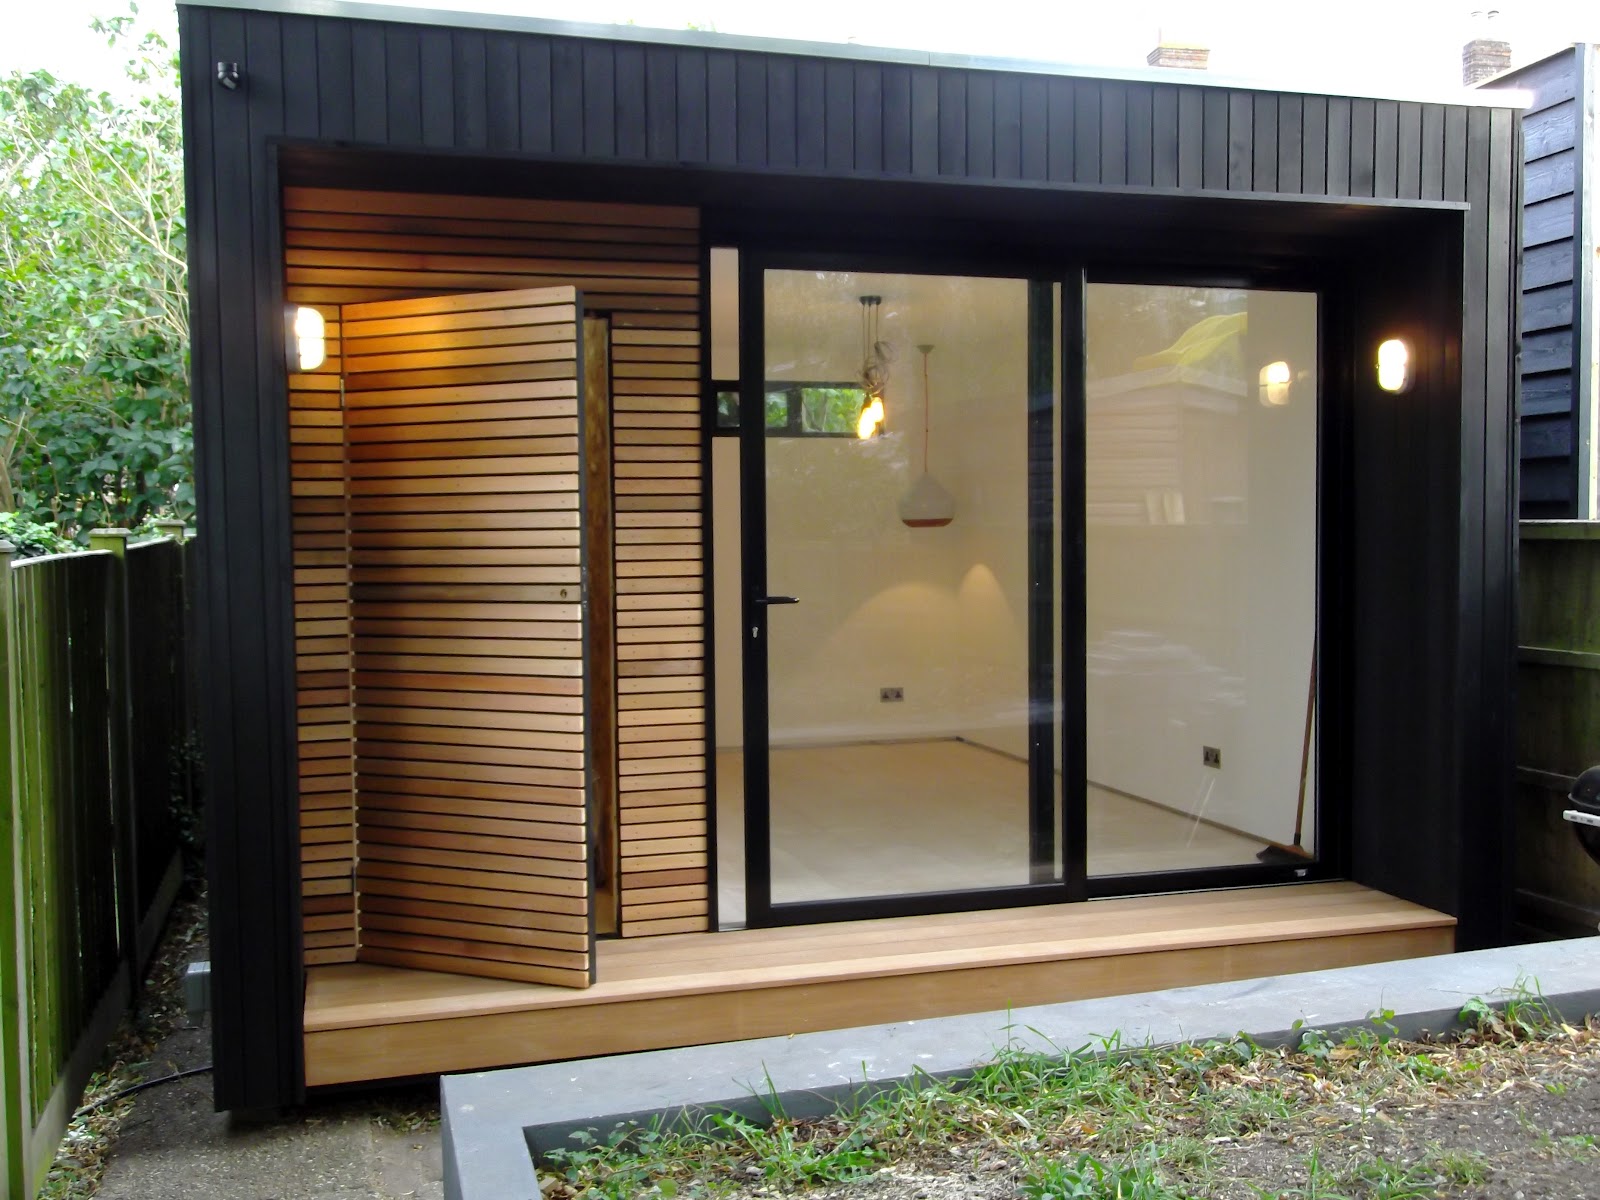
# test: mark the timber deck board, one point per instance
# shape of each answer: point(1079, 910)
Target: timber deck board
point(365, 1021)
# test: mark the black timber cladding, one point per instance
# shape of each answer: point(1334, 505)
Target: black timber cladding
point(1432, 522)
point(1557, 289)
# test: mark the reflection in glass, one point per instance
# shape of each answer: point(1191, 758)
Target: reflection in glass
point(1201, 505)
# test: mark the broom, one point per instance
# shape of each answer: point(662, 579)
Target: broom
point(1276, 853)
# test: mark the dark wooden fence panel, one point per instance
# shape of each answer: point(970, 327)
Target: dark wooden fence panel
point(1558, 724)
point(160, 742)
point(88, 841)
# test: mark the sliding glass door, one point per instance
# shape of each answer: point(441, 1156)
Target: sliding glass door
point(1200, 519)
point(901, 725)
point(1027, 602)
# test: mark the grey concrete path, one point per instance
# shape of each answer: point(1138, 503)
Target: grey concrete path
point(174, 1147)
point(497, 1122)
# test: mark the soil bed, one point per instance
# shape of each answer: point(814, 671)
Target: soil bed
point(1510, 1110)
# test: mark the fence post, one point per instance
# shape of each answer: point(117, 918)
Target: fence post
point(173, 528)
point(14, 1120)
point(188, 839)
point(121, 752)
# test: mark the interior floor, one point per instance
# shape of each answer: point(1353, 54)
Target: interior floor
point(891, 818)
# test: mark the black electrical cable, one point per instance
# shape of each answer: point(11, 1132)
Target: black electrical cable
point(139, 1087)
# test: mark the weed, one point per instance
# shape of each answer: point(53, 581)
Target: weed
point(1319, 1184)
point(1580, 1145)
point(1313, 1043)
point(1525, 1016)
point(1458, 1168)
point(1425, 1068)
point(803, 1154)
point(1091, 1179)
point(1247, 1111)
point(1385, 1180)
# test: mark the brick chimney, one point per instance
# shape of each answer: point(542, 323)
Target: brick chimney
point(1172, 54)
point(1484, 56)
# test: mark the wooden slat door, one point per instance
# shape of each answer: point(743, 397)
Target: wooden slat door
point(465, 423)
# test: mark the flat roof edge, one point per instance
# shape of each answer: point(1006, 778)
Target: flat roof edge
point(704, 39)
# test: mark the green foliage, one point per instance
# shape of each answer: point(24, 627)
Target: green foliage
point(1525, 1016)
point(1383, 1179)
point(94, 339)
point(1090, 1179)
point(31, 538)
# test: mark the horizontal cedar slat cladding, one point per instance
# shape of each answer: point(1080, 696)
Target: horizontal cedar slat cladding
point(450, 553)
point(325, 731)
point(426, 644)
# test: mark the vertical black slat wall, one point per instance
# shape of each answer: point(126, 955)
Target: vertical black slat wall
point(409, 87)
point(241, 486)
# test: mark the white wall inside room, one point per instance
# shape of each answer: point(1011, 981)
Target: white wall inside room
point(939, 612)
point(1201, 545)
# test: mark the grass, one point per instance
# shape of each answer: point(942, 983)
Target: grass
point(1106, 1120)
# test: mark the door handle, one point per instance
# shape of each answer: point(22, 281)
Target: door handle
point(766, 600)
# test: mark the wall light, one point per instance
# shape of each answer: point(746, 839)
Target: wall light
point(1394, 365)
point(308, 347)
point(1274, 380)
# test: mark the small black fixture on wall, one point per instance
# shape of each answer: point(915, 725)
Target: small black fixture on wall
point(228, 75)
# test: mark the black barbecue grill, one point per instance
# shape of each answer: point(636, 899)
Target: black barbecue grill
point(1585, 811)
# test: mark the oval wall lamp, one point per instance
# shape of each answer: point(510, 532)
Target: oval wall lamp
point(308, 343)
point(1274, 384)
point(1394, 365)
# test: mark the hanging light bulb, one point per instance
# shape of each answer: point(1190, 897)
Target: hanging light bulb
point(927, 504)
point(874, 370)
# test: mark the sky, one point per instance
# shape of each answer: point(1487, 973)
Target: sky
point(1388, 47)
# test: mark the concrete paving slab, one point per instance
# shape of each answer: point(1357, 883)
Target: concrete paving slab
point(174, 1147)
point(497, 1124)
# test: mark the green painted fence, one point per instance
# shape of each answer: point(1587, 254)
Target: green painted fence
point(95, 742)
point(1558, 723)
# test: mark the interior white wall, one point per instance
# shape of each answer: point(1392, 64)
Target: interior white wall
point(1201, 587)
point(941, 612)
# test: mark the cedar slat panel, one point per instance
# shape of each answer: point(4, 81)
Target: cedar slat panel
point(431, 653)
point(325, 733)
point(495, 523)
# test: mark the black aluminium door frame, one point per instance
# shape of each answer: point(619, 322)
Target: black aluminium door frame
point(755, 601)
point(1068, 663)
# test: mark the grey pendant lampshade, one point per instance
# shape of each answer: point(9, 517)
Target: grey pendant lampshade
point(928, 503)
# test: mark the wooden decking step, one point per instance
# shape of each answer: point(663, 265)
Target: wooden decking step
point(365, 1022)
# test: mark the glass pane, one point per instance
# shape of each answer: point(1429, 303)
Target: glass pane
point(899, 684)
point(830, 410)
point(1201, 513)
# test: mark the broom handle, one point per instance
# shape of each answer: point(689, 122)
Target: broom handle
point(1305, 751)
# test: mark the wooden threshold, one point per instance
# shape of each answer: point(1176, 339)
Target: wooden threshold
point(365, 1022)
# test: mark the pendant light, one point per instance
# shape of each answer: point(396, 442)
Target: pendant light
point(874, 370)
point(927, 505)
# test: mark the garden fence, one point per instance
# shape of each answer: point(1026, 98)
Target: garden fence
point(1558, 724)
point(94, 684)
